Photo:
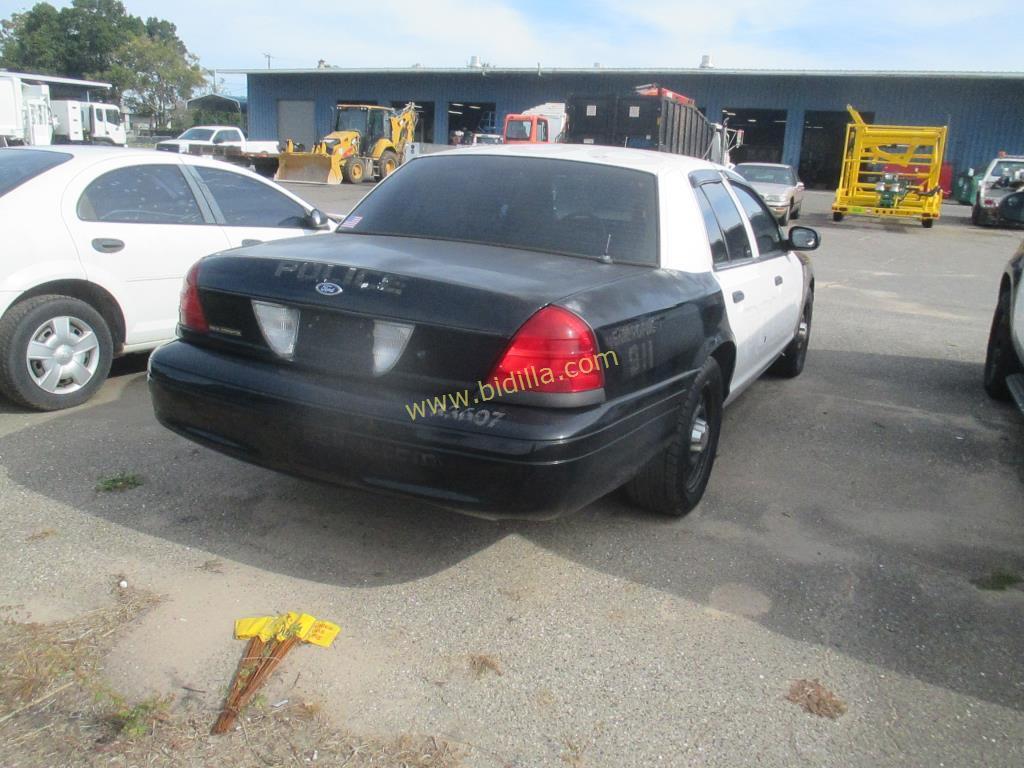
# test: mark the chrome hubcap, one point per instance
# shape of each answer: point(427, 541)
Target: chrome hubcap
point(699, 434)
point(63, 355)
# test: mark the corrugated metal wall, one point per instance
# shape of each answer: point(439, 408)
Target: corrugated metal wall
point(984, 115)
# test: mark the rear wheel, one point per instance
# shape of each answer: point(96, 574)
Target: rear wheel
point(976, 215)
point(55, 352)
point(673, 482)
point(837, 216)
point(928, 223)
point(791, 363)
point(387, 164)
point(353, 170)
point(1001, 358)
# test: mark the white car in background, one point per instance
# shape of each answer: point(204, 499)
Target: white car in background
point(778, 185)
point(104, 238)
point(1004, 176)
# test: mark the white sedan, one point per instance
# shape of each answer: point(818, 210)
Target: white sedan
point(103, 240)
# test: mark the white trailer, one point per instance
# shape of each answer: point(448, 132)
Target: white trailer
point(26, 111)
point(25, 116)
point(85, 122)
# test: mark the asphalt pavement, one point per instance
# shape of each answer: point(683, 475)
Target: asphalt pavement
point(850, 512)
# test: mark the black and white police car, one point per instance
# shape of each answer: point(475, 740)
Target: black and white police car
point(469, 267)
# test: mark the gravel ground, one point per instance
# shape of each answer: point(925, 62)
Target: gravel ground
point(849, 512)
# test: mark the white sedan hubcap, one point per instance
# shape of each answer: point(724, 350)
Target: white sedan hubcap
point(63, 355)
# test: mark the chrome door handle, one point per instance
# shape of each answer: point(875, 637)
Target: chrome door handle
point(778, 279)
point(246, 243)
point(107, 245)
point(738, 296)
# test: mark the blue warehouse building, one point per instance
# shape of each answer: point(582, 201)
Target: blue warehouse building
point(788, 116)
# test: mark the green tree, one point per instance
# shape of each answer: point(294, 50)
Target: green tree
point(154, 76)
point(33, 41)
point(94, 31)
point(95, 39)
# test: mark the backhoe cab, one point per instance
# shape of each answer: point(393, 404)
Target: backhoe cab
point(367, 142)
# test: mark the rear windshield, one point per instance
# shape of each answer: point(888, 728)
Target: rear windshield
point(765, 174)
point(556, 206)
point(197, 134)
point(19, 165)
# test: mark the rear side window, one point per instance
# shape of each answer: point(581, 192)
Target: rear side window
point(540, 204)
point(719, 253)
point(19, 165)
point(141, 194)
point(245, 202)
point(730, 221)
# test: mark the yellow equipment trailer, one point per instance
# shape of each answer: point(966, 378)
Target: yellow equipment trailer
point(367, 142)
point(891, 171)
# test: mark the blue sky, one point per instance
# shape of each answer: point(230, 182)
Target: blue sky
point(796, 34)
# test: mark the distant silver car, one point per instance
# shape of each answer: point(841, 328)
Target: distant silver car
point(778, 185)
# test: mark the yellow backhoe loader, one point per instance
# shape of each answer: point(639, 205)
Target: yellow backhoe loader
point(367, 142)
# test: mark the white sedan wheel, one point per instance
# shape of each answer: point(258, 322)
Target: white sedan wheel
point(63, 355)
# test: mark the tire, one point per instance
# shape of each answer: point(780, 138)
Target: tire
point(790, 363)
point(928, 223)
point(353, 171)
point(673, 482)
point(796, 212)
point(49, 321)
point(837, 216)
point(976, 215)
point(387, 164)
point(1000, 358)
point(786, 217)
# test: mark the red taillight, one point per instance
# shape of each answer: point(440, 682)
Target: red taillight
point(555, 351)
point(190, 310)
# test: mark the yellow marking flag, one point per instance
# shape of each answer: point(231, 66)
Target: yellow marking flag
point(306, 628)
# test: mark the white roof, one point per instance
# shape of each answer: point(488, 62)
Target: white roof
point(85, 155)
point(644, 71)
point(637, 159)
point(54, 79)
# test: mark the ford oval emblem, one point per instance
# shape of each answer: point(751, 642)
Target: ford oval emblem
point(329, 289)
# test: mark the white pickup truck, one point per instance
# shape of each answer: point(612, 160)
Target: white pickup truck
point(217, 136)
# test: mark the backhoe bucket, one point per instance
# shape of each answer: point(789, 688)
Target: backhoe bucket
point(309, 166)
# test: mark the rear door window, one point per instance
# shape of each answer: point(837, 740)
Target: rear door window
point(141, 194)
point(245, 202)
point(719, 252)
point(730, 221)
point(19, 165)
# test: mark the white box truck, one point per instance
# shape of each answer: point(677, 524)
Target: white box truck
point(84, 122)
